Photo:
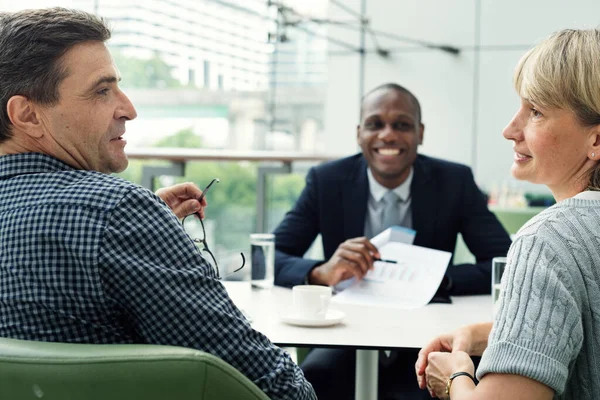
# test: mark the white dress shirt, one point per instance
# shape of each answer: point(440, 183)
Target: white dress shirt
point(375, 206)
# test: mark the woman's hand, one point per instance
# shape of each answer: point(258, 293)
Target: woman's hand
point(439, 368)
point(471, 339)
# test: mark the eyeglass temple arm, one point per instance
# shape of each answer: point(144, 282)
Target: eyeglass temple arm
point(208, 187)
point(242, 266)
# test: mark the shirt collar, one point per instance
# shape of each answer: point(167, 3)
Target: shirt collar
point(378, 191)
point(588, 195)
point(29, 163)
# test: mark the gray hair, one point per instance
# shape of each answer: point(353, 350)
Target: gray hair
point(32, 43)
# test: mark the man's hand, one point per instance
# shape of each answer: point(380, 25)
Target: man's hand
point(441, 366)
point(471, 339)
point(182, 199)
point(354, 257)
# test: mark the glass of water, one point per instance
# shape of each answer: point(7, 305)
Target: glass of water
point(262, 260)
point(498, 265)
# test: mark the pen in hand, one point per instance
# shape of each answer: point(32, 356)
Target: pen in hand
point(385, 261)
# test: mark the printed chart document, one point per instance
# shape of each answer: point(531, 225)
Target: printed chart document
point(409, 284)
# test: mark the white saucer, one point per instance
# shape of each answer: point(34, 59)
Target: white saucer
point(332, 317)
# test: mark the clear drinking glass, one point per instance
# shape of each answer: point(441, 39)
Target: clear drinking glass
point(262, 260)
point(498, 265)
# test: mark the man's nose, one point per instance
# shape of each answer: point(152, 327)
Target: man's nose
point(386, 133)
point(126, 109)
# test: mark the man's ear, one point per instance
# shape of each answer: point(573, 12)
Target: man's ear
point(24, 116)
point(421, 133)
point(358, 134)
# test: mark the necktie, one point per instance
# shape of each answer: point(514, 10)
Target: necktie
point(389, 217)
point(391, 210)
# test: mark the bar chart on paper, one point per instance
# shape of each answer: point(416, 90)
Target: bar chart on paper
point(402, 271)
point(408, 284)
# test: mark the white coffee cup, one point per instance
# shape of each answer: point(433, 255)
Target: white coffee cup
point(311, 301)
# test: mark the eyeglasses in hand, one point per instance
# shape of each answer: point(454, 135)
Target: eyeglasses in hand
point(194, 227)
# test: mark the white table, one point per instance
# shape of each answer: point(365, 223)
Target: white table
point(367, 329)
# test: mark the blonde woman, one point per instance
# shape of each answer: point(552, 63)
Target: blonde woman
point(545, 341)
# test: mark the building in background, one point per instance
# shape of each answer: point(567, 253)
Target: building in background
point(209, 44)
point(226, 71)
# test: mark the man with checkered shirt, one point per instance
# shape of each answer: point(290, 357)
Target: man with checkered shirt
point(86, 257)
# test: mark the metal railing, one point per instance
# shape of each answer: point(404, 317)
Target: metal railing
point(270, 162)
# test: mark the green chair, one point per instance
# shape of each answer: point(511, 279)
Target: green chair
point(64, 371)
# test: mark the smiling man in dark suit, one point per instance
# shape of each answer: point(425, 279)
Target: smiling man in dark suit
point(348, 201)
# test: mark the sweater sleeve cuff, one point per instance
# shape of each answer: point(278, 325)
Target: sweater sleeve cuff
point(540, 362)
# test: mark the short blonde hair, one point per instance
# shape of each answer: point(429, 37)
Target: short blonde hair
point(563, 71)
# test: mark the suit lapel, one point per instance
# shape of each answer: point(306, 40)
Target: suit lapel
point(424, 211)
point(355, 192)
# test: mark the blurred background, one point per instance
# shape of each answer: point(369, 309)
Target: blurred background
point(286, 77)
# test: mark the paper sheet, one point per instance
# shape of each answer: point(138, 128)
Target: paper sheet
point(409, 284)
point(398, 234)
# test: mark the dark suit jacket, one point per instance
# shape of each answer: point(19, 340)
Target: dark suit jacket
point(445, 201)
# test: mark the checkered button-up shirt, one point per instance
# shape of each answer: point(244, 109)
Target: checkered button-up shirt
point(90, 258)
